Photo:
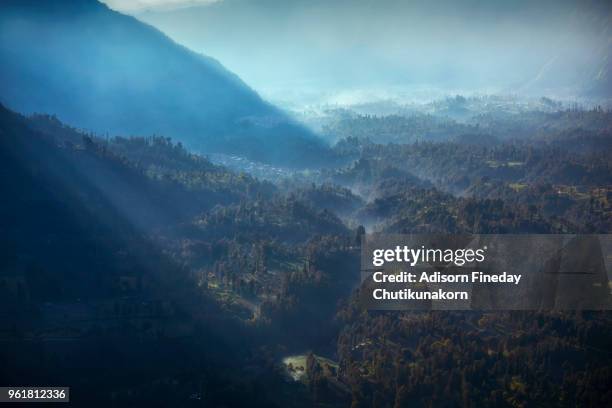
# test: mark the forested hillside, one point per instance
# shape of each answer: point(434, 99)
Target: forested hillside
point(133, 247)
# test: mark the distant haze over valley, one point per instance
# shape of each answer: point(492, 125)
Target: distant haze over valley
point(344, 52)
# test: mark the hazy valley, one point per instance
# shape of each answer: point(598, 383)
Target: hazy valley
point(169, 238)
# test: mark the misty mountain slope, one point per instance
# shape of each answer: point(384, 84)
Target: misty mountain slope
point(88, 275)
point(75, 214)
point(59, 227)
point(103, 71)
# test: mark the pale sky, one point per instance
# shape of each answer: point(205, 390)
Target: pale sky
point(131, 6)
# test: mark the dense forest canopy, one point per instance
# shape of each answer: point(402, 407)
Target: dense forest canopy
point(143, 221)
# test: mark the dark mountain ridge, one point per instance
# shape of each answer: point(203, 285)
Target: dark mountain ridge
point(109, 73)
